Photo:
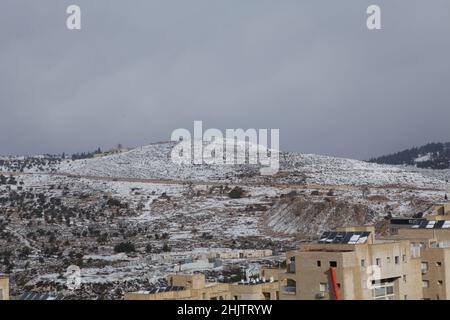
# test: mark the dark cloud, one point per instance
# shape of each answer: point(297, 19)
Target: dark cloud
point(139, 69)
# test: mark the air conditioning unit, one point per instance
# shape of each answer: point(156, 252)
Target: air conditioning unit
point(320, 295)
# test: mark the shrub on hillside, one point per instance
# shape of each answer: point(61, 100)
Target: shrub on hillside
point(124, 247)
point(236, 193)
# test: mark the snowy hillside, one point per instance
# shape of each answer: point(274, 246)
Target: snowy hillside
point(154, 162)
point(83, 212)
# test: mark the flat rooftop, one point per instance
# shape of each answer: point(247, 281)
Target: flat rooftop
point(161, 289)
point(251, 283)
point(432, 224)
point(344, 237)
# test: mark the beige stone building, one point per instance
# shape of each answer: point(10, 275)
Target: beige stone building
point(430, 242)
point(194, 287)
point(411, 263)
point(4, 287)
point(343, 264)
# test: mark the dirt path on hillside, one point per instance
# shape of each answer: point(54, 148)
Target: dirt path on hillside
point(219, 183)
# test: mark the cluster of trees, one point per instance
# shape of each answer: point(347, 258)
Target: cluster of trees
point(129, 247)
point(4, 180)
point(439, 156)
point(86, 155)
point(6, 259)
point(126, 247)
point(20, 164)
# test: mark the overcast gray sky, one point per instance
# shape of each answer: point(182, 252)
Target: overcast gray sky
point(139, 69)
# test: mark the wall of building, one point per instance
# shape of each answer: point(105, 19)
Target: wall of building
point(262, 291)
point(352, 265)
point(4, 288)
point(172, 295)
point(435, 277)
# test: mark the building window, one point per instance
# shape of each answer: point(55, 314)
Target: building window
point(378, 262)
point(396, 259)
point(291, 287)
point(404, 278)
point(333, 264)
point(319, 263)
point(390, 290)
point(404, 258)
point(363, 263)
point(388, 259)
point(384, 291)
point(425, 284)
point(291, 266)
point(438, 264)
point(323, 287)
point(440, 282)
point(424, 267)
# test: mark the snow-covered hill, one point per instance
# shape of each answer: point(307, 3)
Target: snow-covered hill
point(74, 211)
point(154, 162)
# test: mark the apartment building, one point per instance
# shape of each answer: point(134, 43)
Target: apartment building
point(351, 264)
point(194, 287)
point(430, 242)
point(4, 287)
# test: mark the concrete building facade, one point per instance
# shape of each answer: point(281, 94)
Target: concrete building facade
point(430, 242)
point(4, 287)
point(350, 264)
